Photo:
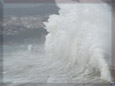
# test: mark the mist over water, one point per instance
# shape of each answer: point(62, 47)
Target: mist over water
point(77, 49)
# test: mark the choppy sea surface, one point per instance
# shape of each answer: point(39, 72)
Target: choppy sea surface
point(28, 65)
point(23, 64)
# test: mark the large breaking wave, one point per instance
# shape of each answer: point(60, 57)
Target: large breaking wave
point(78, 44)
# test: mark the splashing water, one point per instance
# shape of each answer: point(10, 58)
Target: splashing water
point(79, 43)
point(77, 47)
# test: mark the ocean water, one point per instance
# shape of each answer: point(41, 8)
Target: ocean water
point(79, 40)
point(24, 66)
point(77, 49)
point(21, 64)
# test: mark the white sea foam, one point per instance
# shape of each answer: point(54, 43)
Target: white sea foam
point(78, 49)
point(79, 42)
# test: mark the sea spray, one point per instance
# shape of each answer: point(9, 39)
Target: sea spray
point(78, 44)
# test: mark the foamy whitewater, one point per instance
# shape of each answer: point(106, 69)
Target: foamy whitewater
point(78, 45)
point(77, 49)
